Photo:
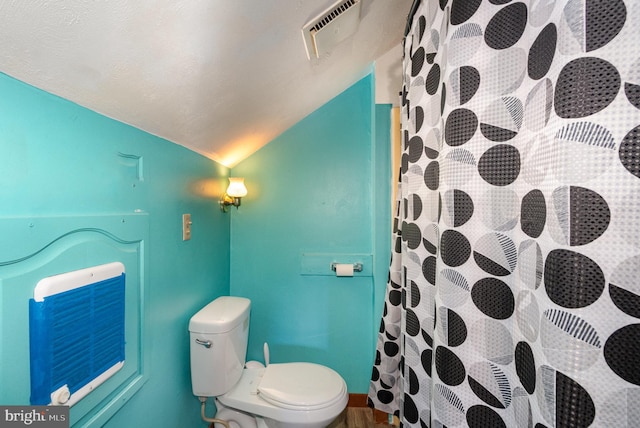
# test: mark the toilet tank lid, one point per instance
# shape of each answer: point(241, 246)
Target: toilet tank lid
point(221, 315)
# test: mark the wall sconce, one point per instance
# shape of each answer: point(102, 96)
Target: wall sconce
point(234, 193)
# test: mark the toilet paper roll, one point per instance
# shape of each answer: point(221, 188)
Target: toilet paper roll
point(344, 269)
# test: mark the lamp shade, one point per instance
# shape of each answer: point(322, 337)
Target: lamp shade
point(236, 187)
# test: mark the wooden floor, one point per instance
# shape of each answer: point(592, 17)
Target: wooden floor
point(357, 417)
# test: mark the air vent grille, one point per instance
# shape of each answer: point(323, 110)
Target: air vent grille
point(334, 14)
point(331, 27)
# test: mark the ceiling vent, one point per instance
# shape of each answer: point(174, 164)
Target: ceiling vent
point(331, 27)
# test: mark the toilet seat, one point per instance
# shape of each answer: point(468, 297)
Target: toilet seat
point(301, 386)
point(246, 397)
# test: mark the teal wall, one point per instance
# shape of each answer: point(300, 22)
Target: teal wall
point(318, 193)
point(59, 160)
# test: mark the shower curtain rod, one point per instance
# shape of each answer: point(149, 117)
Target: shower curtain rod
point(412, 12)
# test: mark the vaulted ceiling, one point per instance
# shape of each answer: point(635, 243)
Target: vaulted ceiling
point(221, 77)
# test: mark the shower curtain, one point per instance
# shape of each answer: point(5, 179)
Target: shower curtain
point(513, 297)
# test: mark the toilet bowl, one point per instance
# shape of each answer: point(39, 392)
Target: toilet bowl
point(286, 395)
point(236, 418)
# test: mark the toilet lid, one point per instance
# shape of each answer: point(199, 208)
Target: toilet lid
point(301, 386)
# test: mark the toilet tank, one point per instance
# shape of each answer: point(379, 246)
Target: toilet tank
point(218, 336)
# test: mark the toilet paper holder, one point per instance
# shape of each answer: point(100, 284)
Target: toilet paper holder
point(357, 267)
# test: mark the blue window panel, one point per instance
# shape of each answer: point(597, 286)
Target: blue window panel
point(75, 336)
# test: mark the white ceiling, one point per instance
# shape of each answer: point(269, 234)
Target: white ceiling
point(221, 77)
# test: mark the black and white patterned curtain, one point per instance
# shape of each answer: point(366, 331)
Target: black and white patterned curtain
point(514, 290)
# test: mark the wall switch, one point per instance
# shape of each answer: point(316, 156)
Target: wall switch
point(186, 227)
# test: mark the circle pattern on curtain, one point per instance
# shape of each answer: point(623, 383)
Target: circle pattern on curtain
point(517, 251)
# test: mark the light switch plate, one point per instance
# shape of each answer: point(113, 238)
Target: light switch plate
point(186, 227)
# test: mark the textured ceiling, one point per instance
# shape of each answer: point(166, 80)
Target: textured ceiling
point(221, 77)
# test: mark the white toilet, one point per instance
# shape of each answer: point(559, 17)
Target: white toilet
point(289, 395)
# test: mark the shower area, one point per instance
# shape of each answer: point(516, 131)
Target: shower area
point(513, 297)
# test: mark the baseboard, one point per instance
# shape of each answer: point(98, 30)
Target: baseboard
point(361, 400)
point(357, 400)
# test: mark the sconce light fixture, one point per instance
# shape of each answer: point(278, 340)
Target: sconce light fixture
point(234, 193)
